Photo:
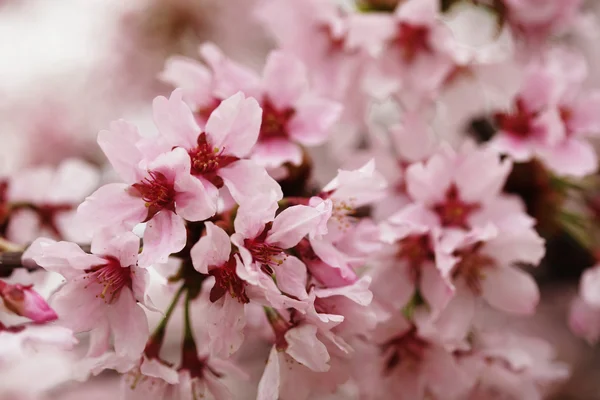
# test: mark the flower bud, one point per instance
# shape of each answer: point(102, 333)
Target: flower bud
point(24, 301)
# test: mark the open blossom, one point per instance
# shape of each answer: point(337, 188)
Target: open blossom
point(218, 150)
point(292, 115)
point(43, 200)
point(536, 19)
point(261, 242)
point(456, 190)
point(159, 189)
point(504, 365)
point(552, 116)
point(107, 284)
point(199, 376)
point(404, 365)
point(211, 255)
point(418, 51)
point(342, 198)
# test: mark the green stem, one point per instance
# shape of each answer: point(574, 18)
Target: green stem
point(188, 335)
point(160, 328)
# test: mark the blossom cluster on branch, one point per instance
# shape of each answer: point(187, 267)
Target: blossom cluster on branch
point(374, 285)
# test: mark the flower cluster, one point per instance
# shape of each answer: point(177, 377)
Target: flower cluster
point(223, 257)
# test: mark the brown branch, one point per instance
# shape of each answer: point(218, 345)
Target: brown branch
point(11, 260)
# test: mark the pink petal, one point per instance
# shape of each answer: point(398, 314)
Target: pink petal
point(481, 175)
point(165, 234)
point(268, 387)
point(313, 120)
point(305, 348)
point(584, 320)
point(228, 76)
point(129, 325)
point(585, 119)
point(274, 153)
point(196, 199)
point(292, 277)
point(369, 31)
point(511, 290)
point(284, 79)
point(124, 247)
point(74, 179)
point(358, 292)
point(292, 224)
point(65, 258)
point(89, 312)
point(357, 187)
point(226, 321)
point(590, 286)
point(436, 290)
point(192, 77)
point(119, 146)
point(156, 369)
point(175, 120)
point(428, 182)
point(234, 125)
point(111, 206)
point(212, 250)
point(248, 182)
point(571, 157)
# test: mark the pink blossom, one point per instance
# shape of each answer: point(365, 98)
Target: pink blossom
point(536, 19)
point(292, 115)
point(457, 190)
point(552, 116)
point(204, 377)
point(107, 284)
point(512, 366)
point(211, 255)
point(44, 200)
point(262, 248)
point(159, 189)
point(305, 358)
point(24, 301)
point(418, 52)
point(217, 152)
point(406, 366)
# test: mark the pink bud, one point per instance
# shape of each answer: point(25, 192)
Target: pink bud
point(24, 301)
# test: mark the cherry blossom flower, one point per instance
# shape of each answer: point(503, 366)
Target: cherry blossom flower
point(291, 115)
point(108, 285)
point(43, 200)
point(457, 190)
point(217, 153)
point(261, 242)
point(552, 116)
point(506, 365)
point(160, 190)
point(406, 366)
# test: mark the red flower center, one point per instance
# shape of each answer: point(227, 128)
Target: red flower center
point(227, 281)
point(111, 276)
point(412, 40)
point(416, 250)
point(519, 123)
point(158, 193)
point(263, 253)
point(406, 348)
point(207, 160)
point(454, 212)
point(274, 122)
